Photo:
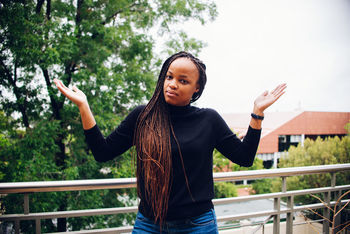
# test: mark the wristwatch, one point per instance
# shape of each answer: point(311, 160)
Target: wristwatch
point(254, 116)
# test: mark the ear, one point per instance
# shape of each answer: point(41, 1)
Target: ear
point(197, 87)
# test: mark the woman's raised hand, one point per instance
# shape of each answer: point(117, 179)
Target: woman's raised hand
point(79, 98)
point(267, 98)
point(75, 95)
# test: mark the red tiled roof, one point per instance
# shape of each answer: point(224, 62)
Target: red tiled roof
point(291, 123)
point(239, 122)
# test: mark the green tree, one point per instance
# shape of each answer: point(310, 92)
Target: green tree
point(225, 189)
point(220, 164)
point(105, 48)
point(332, 150)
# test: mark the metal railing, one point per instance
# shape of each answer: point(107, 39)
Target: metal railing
point(27, 188)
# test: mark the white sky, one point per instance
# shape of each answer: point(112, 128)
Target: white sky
point(254, 45)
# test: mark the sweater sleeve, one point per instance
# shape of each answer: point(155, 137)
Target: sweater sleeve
point(240, 152)
point(119, 141)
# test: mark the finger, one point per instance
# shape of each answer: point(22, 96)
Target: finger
point(279, 89)
point(282, 88)
point(75, 88)
point(63, 86)
point(56, 81)
point(265, 93)
point(60, 86)
point(63, 89)
point(278, 96)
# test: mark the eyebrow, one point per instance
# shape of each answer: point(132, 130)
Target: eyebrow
point(182, 76)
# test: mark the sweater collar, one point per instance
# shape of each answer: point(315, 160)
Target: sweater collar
point(179, 110)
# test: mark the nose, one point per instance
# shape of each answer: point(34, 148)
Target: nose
point(173, 84)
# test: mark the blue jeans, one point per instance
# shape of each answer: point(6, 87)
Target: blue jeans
point(204, 223)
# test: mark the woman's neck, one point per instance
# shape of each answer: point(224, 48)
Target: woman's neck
point(178, 110)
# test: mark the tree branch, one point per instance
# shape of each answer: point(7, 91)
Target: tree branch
point(48, 9)
point(54, 105)
point(325, 204)
point(12, 82)
point(118, 12)
point(39, 6)
point(78, 15)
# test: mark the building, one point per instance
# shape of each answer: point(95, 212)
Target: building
point(280, 130)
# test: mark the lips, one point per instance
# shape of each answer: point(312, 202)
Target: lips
point(171, 93)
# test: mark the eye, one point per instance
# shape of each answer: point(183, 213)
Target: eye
point(168, 77)
point(183, 81)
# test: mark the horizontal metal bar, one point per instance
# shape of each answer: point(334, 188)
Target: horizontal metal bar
point(273, 212)
point(69, 214)
point(317, 205)
point(247, 215)
point(309, 221)
point(279, 194)
point(73, 185)
point(105, 230)
point(66, 185)
point(119, 210)
point(268, 173)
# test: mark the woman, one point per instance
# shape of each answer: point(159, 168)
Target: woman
point(174, 143)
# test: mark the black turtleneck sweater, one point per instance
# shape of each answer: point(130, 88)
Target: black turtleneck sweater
point(198, 131)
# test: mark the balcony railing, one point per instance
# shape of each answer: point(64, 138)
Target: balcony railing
point(27, 188)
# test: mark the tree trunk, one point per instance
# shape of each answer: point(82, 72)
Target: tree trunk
point(62, 222)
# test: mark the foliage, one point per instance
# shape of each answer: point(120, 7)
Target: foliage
point(319, 152)
point(105, 48)
point(335, 212)
point(263, 186)
point(225, 189)
point(221, 163)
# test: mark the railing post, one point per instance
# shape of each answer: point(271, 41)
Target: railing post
point(290, 215)
point(337, 219)
point(333, 179)
point(326, 213)
point(37, 226)
point(276, 218)
point(26, 203)
point(284, 184)
point(336, 194)
point(17, 226)
point(263, 229)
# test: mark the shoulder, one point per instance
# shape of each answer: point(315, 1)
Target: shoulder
point(138, 109)
point(208, 115)
point(134, 113)
point(209, 112)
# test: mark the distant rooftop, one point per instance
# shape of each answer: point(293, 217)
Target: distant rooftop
point(290, 123)
point(239, 122)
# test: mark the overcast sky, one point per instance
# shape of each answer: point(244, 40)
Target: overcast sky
point(254, 45)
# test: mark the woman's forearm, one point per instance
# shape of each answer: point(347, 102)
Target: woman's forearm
point(87, 118)
point(256, 123)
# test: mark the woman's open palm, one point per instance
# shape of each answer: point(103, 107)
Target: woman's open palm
point(266, 99)
point(75, 95)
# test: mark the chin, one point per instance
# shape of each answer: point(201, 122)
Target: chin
point(171, 102)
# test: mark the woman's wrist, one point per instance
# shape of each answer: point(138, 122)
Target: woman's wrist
point(257, 117)
point(83, 106)
point(258, 112)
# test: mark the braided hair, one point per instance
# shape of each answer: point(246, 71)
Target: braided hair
point(152, 142)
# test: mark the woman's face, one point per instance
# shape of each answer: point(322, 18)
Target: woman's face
point(181, 82)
